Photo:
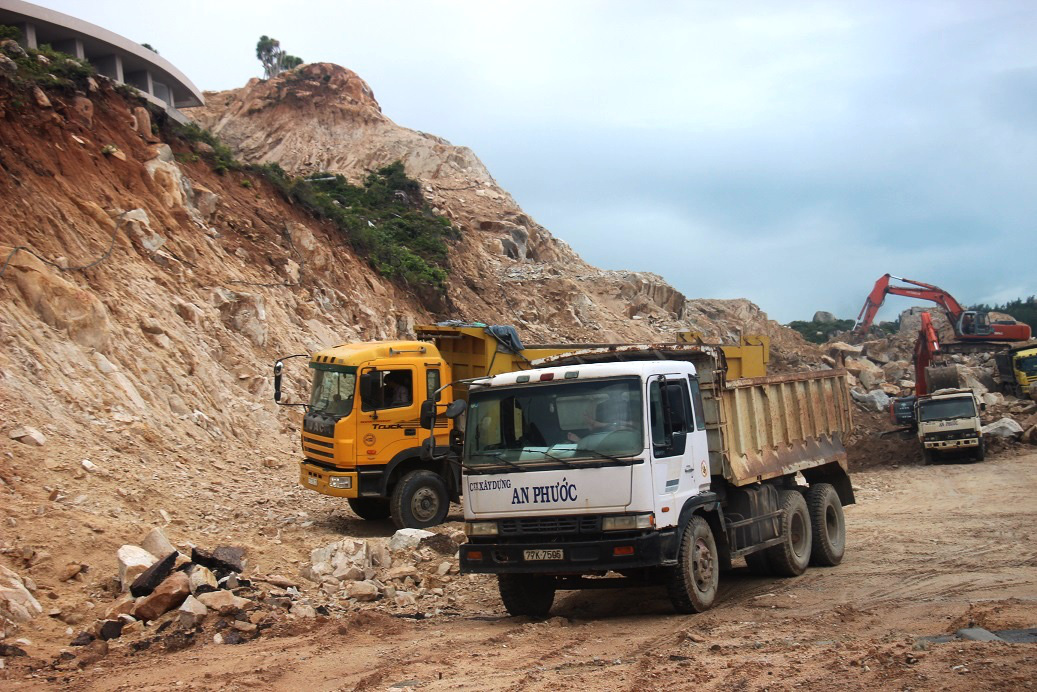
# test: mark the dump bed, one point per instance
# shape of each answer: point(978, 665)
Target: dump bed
point(475, 352)
point(758, 428)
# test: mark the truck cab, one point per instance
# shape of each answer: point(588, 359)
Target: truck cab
point(360, 436)
point(949, 424)
point(597, 474)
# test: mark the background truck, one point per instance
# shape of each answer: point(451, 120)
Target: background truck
point(360, 430)
point(630, 465)
point(949, 424)
point(1017, 371)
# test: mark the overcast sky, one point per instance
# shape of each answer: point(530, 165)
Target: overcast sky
point(785, 152)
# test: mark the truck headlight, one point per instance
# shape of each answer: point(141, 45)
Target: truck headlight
point(341, 482)
point(629, 522)
point(481, 528)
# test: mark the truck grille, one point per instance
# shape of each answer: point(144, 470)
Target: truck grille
point(956, 435)
point(549, 525)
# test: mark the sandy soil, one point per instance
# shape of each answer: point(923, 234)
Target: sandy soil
point(932, 549)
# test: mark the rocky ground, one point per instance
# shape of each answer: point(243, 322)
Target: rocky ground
point(932, 550)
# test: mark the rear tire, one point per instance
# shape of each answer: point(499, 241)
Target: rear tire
point(827, 524)
point(527, 594)
point(370, 508)
point(692, 583)
point(791, 557)
point(419, 500)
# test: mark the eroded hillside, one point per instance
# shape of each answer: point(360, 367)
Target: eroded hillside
point(145, 296)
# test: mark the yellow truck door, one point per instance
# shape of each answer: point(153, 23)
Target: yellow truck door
point(388, 420)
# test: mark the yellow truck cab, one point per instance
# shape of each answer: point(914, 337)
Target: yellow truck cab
point(361, 438)
point(1017, 371)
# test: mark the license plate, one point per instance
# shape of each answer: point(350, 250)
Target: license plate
point(313, 481)
point(542, 554)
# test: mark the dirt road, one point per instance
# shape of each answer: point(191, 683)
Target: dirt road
point(932, 549)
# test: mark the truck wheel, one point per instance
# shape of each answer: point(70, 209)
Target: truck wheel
point(828, 525)
point(981, 450)
point(927, 456)
point(419, 500)
point(791, 557)
point(370, 508)
point(527, 594)
point(692, 584)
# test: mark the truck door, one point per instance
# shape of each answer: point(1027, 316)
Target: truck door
point(677, 446)
point(388, 422)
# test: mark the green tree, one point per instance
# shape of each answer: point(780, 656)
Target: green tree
point(149, 47)
point(273, 58)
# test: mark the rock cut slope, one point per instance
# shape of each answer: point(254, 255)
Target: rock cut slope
point(323, 117)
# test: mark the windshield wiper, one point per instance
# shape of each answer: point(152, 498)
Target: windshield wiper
point(600, 454)
point(499, 456)
point(560, 460)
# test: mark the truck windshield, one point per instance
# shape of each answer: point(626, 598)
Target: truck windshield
point(945, 409)
point(1028, 365)
point(554, 423)
point(332, 392)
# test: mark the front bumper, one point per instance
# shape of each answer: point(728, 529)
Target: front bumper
point(313, 477)
point(578, 557)
point(952, 444)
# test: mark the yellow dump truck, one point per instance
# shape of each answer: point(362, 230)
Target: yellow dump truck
point(360, 436)
point(1017, 371)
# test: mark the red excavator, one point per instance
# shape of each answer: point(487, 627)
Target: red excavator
point(969, 325)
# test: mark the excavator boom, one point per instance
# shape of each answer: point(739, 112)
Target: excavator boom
point(969, 325)
point(917, 289)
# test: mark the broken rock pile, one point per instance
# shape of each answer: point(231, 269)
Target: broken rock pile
point(414, 565)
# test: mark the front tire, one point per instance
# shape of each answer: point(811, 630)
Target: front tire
point(827, 524)
point(981, 450)
point(526, 594)
point(419, 500)
point(692, 583)
point(791, 557)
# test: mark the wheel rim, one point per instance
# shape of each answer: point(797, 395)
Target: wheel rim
point(832, 523)
point(797, 534)
point(702, 565)
point(424, 504)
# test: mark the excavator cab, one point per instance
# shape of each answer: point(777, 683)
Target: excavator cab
point(974, 323)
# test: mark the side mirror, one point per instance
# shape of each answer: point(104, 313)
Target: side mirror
point(371, 390)
point(278, 368)
point(427, 417)
point(455, 409)
point(982, 407)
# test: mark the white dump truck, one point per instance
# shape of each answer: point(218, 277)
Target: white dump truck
point(637, 465)
point(949, 424)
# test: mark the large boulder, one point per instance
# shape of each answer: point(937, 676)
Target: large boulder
point(157, 544)
point(408, 539)
point(822, 317)
point(59, 303)
point(28, 436)
point(153, 576)
point(1006, 428)
point(167, 596)
point(878, 351)
point(17, 604)
point(223, 602)
point(244, 313)
point(876, 399)
point(133, 561)
point(191, 612)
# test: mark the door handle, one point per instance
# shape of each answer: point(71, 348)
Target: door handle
point(689, 468)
